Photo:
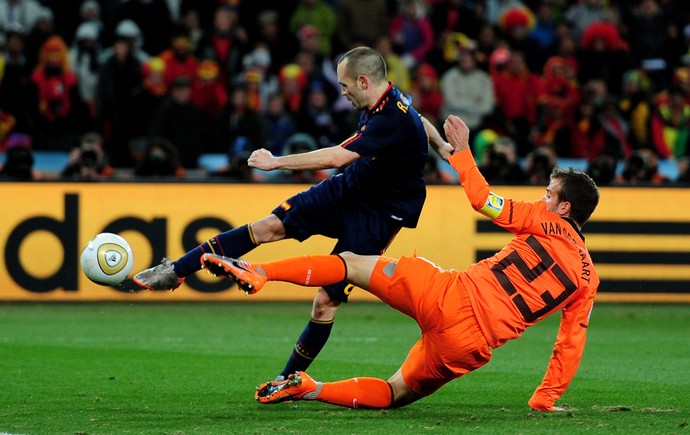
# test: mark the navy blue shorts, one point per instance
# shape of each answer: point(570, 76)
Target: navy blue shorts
point(357, 229)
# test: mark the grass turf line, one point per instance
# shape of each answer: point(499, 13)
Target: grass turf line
point(192, 368)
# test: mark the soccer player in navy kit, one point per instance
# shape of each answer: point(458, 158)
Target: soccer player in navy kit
point(380, 190)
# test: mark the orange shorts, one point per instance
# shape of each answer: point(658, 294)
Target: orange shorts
point(452, 344)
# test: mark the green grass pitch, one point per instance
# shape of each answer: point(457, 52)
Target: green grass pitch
point(191, 368)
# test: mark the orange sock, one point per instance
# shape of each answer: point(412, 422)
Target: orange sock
point(371, 393)
point(307, 270)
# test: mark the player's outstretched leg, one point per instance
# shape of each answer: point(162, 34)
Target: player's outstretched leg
point(298, 386)
point(242, 272)
point(160, 277)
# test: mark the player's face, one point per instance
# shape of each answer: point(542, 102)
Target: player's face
point(552, 196)
point(350, 88)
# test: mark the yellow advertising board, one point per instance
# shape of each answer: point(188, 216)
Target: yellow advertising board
point(639, 237)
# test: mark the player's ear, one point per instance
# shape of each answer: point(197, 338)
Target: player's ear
point(363, 81)
point(563, 208)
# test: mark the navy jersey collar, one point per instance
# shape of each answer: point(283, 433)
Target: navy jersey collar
point(381, 102)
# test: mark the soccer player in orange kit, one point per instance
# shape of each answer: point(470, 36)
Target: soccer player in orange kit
point(462, 315)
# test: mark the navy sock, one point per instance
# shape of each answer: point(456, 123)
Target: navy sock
point(234, 243)
point(309, 344)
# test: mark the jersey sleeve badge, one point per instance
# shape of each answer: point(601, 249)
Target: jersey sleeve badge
point(493, 206)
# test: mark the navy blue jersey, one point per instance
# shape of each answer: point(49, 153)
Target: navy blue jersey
point(365, 206)
point(388, 178)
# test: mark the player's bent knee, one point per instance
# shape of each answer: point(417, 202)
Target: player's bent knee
point(268, 229)
point(402, 393)
point(324, 307)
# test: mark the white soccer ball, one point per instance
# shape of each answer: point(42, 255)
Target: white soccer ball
point(107, 259)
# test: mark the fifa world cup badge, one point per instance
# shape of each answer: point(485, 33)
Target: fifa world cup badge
point(493, 206)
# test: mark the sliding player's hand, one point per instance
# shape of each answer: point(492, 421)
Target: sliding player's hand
point(457, 133)
point(543, 403)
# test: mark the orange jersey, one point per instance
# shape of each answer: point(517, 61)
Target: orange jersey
point(545, 267)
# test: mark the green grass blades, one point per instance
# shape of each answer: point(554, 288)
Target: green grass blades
point(192, 369)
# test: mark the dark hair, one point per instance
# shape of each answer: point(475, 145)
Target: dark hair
point(579, 190)
point(367, 61)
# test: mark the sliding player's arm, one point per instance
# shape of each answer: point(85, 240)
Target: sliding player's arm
point(476, 188)
point(566, 355)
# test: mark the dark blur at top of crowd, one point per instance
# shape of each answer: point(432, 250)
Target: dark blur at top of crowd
point(147, 87)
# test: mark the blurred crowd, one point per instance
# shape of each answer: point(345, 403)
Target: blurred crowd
point(147, 87)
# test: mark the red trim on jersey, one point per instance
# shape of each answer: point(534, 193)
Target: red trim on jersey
point(350, 139)
point(381, 102)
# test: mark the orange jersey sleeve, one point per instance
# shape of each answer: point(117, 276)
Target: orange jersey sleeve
point(545, 268)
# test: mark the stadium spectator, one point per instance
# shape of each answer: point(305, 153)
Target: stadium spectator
point(583, 13)
point(463, 315)
point(454, 16)
point(241, 125)
point(190, 22)
point(487, 43)
point(160, 159)
point(321, 16)
point(398, 72)
point(205, 8)
point(146, 99)
point(427, 94)
point(278, 124)
point(259, 78)
point(642, 167)
point(7, 124)
point(292, 81)
point(316, 67)
point(411, 33)
point(515, 26)
point(602, 169)
point(597, 126)
point(83, 56)
point(361, 22)
point(17, 94)
point(36, 36)
point(237, 169)
point(496, 8)
point(635, 106)
point(154, 20)
point(539, 165)
point(128, 31)
point(684, 171)
point(316, 119)
point(647, 31)
point(519, 98)
point(179, 58)
point(467, 91)
point(90, 12)
point(225, 43)
point(180, 122)
point(567, 49)
point(671, 126)
point(500, 163)
point(561, 96)
point(208, 92)
point(119, 79)
point(543, 35)
point(281, 44)
point(366, 205)
point(19, 14)
point(87, 161)
point(603, 56)
point(19, 160)
point(59, 110)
